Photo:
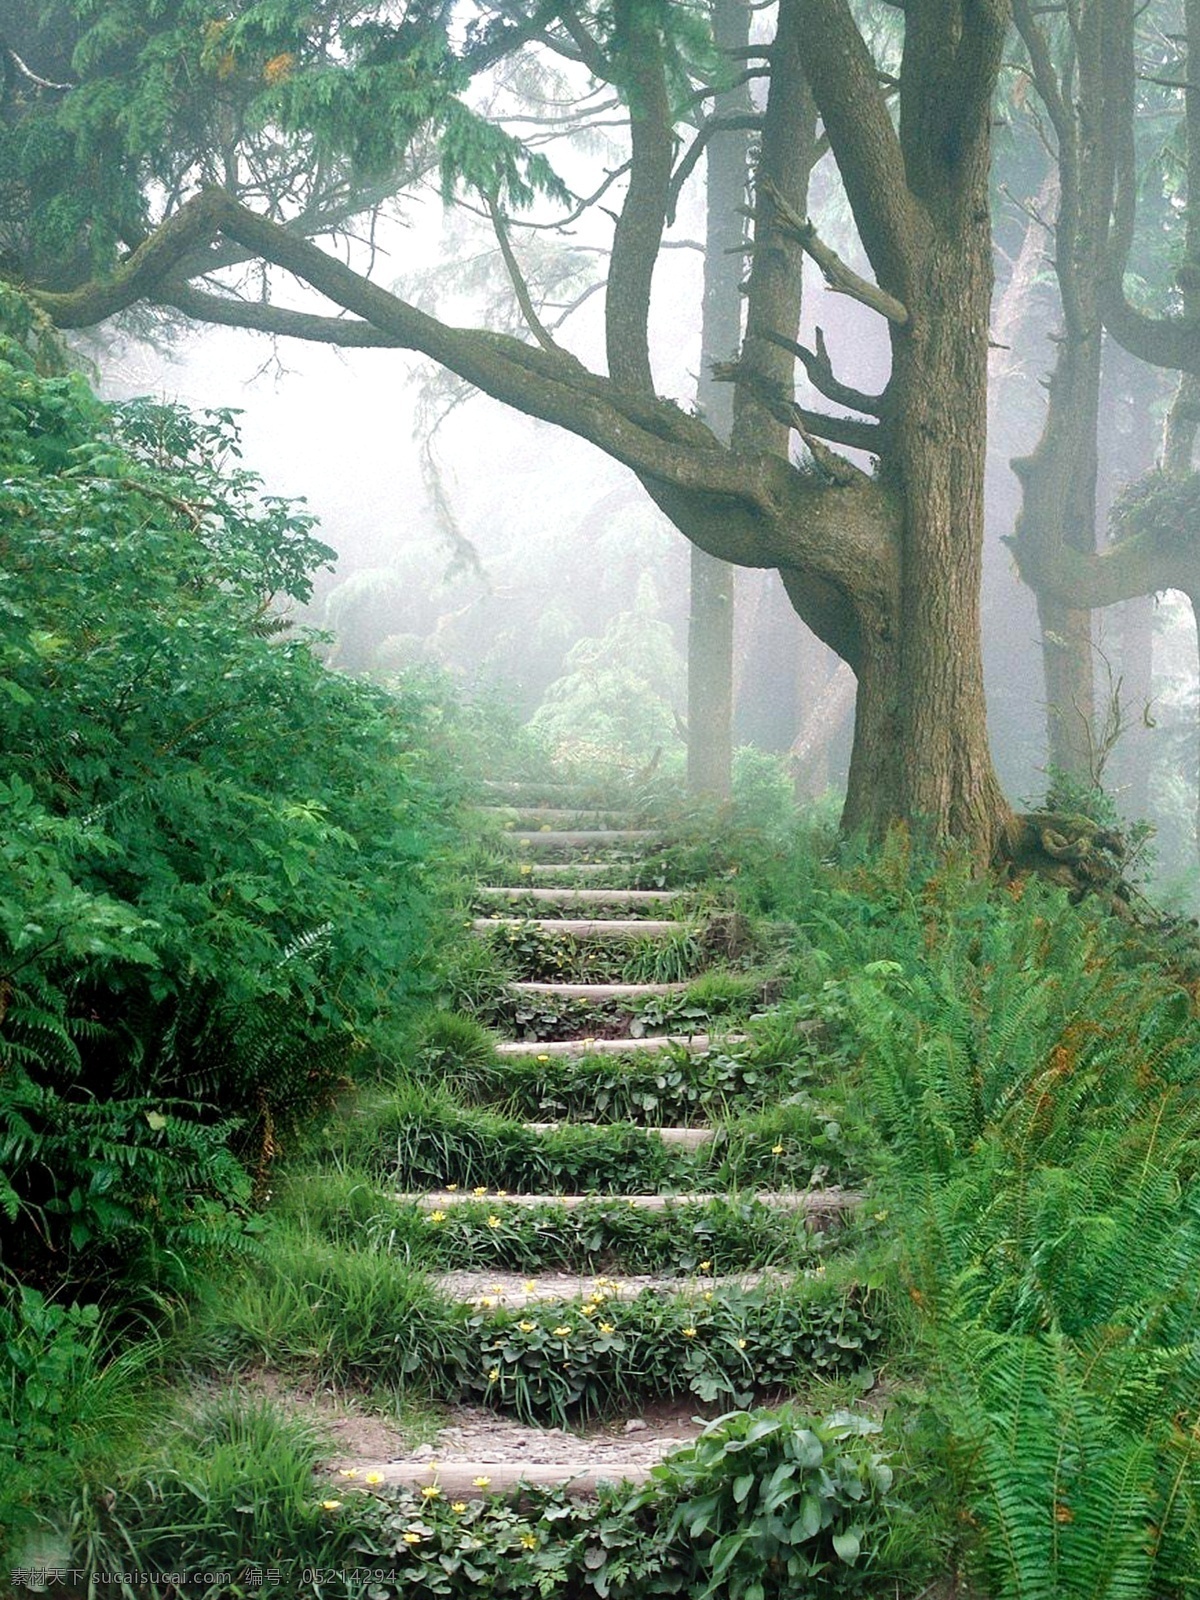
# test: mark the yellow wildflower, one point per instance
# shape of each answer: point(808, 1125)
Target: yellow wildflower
point(482, 1189)
point(606, 1327)
point(412, 1537)
point(458, 1506)
point(330, 1505)
point(525, 868)
point(529, 1285)
point(487, 1301)
point(527, 1327)
point(437, 1216)
point(562, 1333)
point(741, 1344)
point(502, 1194)
point(481, 1483)
point(529, 1540)
point(707, 1295)
point(431, 1492)
point(373, 1477)
point(689, 1333)
point(543, 1058)
point(494, 1375)
point(494, 1221)
point(776, 1149)
point(348, 1472)
point(590, 1309)
point(451, 1188)
point(706, 1266)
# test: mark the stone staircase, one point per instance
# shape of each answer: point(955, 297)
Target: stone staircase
point(558, 844)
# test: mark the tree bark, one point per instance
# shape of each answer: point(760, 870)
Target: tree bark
point(711, 614)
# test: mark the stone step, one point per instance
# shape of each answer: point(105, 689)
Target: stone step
point(815, 1202)
point(682, 1138)
point(570, 896)
point(582, 838)
point(468, 1480)
point(548, 817)
point(695, 1043)
point(587, 927)
point(598, 991)
point(547, 869)
point(509, 1291)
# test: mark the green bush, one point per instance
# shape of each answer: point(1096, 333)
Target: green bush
point(214, 880)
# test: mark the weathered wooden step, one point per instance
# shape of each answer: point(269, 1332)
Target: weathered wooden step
point(598, 991)
point(467, 1480)
point(815, 1202)
point(582, 838)
point(587, 927)
point(681, 1138)
point(568, 896)
point(695, 1043)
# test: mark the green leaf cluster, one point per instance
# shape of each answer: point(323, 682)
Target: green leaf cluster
point(215, 891)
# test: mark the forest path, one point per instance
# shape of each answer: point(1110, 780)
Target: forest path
point(731, 1237)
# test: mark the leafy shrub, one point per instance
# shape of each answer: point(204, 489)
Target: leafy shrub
point(769, 1504)
point(214, 887)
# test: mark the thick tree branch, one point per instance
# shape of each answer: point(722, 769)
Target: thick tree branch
point(1131, 567)
point(752, 510)
point(639, 230)
point(854, 109)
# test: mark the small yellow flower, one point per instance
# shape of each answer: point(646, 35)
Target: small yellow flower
point(437, 1216)
point(458, 1506)
point(706, 1266)
point(431, 1492)
point(529, 1285)
point(412, 1537)
point(741, 1344)
point(527, 1327)
point(482, 1189)
point(373, 1477)
point(494, 1375)
point(590, 1309)
point(525, 869)
point(606, 1327)
point(707, 1295)
point(881, 1216)
point(330, 1505)
point(562, 1333)
point(529, 1540)
point(502, 1194)
point(348, 1472)
point(776, 1149)
point(543, 1058)
point(494, 1221)
point(481, 1483)
point(689, 1333)
point(451, 1188)
point(487, 1301)
point(497, 1288)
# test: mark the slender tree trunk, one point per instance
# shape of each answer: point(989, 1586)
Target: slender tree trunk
point(710, 618)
